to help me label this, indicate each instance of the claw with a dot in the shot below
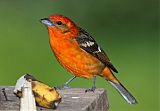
(90, 89)
(65, 86)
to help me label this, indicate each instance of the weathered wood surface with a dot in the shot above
(72, 100)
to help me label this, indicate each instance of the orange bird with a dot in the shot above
(79, 54)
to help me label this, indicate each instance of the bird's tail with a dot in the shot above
(124, 92)
(118, 86)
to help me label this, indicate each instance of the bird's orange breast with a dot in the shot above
(73, 58)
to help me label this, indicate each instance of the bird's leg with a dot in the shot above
(93, 87)
(65, 85)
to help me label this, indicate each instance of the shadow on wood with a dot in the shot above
(72, 100)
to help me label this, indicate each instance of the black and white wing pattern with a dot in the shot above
(87, 43)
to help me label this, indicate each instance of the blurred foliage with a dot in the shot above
(126, 29)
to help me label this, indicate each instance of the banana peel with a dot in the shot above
(45, 96)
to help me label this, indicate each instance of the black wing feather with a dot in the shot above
(87, 43)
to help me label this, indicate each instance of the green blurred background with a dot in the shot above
(126, 29)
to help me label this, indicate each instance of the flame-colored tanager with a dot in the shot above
(79, 54)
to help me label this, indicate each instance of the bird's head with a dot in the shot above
(60, 25)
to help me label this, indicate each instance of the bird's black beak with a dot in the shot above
(46, 22)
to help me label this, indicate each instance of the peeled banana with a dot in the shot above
(45, 96)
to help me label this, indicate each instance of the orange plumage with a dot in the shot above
(79, 53)
(71, 57)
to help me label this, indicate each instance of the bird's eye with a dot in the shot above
(59, 23)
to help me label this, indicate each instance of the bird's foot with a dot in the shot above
(64, 86)
(90, 89)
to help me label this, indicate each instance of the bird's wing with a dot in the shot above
(87, 43)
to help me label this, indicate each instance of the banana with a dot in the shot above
(45, 96)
